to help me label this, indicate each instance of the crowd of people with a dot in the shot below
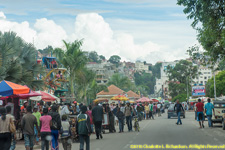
(43, 123)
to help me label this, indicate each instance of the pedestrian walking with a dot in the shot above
(97, 113)
(66, 134)
(37, 114)
(208, 110)
(89, 112)
(55, 127)
(159, 109)
(151, 111)
(84, 128)
(45, 125)
(128, 112)
(155, 109)
(5, 133)
(200, 114)
(146, 111)
(120, 116)
(28, 122)
(13, 135)
(65, 109)
(177, 108)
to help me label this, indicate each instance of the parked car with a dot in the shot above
(223, 121)
(172, 113)
(219, 107)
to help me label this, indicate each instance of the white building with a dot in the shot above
(204, 75)
(140, 66)
(162, 83)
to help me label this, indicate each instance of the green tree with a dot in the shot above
(18, 61)
(115, 59)
(181, 97)
(73, 58)
(182, 70)
(102, 57)
(220, 85)
(120, 81)
(84, 79)
(209, 20)
(177, 88)
(156, 70)
(146, 80)
(180, 77)
(93, 57)
(46, 51)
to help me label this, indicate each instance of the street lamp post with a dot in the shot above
(214, 84)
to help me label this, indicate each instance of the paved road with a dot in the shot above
(160, 131)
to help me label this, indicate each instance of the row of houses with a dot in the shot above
(114, 91)
(106, 69)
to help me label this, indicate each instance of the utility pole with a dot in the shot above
(214, 84)
(187, 90)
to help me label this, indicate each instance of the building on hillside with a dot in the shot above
(141, 66)
(132, 95)
(103, 71)
(112, 91)
(161, 87)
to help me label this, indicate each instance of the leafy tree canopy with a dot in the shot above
(181, 71)
(115, 59)
(146, 80)
(209, 20)
(181, 97)
(220, 85)
(121, 81)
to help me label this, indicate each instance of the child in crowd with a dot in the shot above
(66, 134)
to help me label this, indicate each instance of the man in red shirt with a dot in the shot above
(200, 114)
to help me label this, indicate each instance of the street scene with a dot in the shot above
(112, 74)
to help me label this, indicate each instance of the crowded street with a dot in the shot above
(160, 131)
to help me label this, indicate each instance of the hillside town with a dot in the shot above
(112, 74)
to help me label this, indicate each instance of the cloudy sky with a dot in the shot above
(151, 30)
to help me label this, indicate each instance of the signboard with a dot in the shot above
(198, 90)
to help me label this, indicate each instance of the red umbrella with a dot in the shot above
(31, 94)
(143, 99)
(47, 97)
(155, 100)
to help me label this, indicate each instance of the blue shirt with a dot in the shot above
(209, 107)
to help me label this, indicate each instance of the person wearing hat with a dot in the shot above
(37, 114)
(77, 107)
(84, 128)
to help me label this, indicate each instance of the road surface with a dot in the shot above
(159, 132)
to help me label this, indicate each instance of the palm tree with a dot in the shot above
(18, 62)
(120, 81)
(84, 81)
(73, 58)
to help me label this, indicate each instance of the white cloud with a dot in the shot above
(45, 32)
(2, 15)
(49, 33)
(105, 38)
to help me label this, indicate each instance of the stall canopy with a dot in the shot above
(28, 95)
(47, 97)
(144, 99)
(8, 88)
(120, 98)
